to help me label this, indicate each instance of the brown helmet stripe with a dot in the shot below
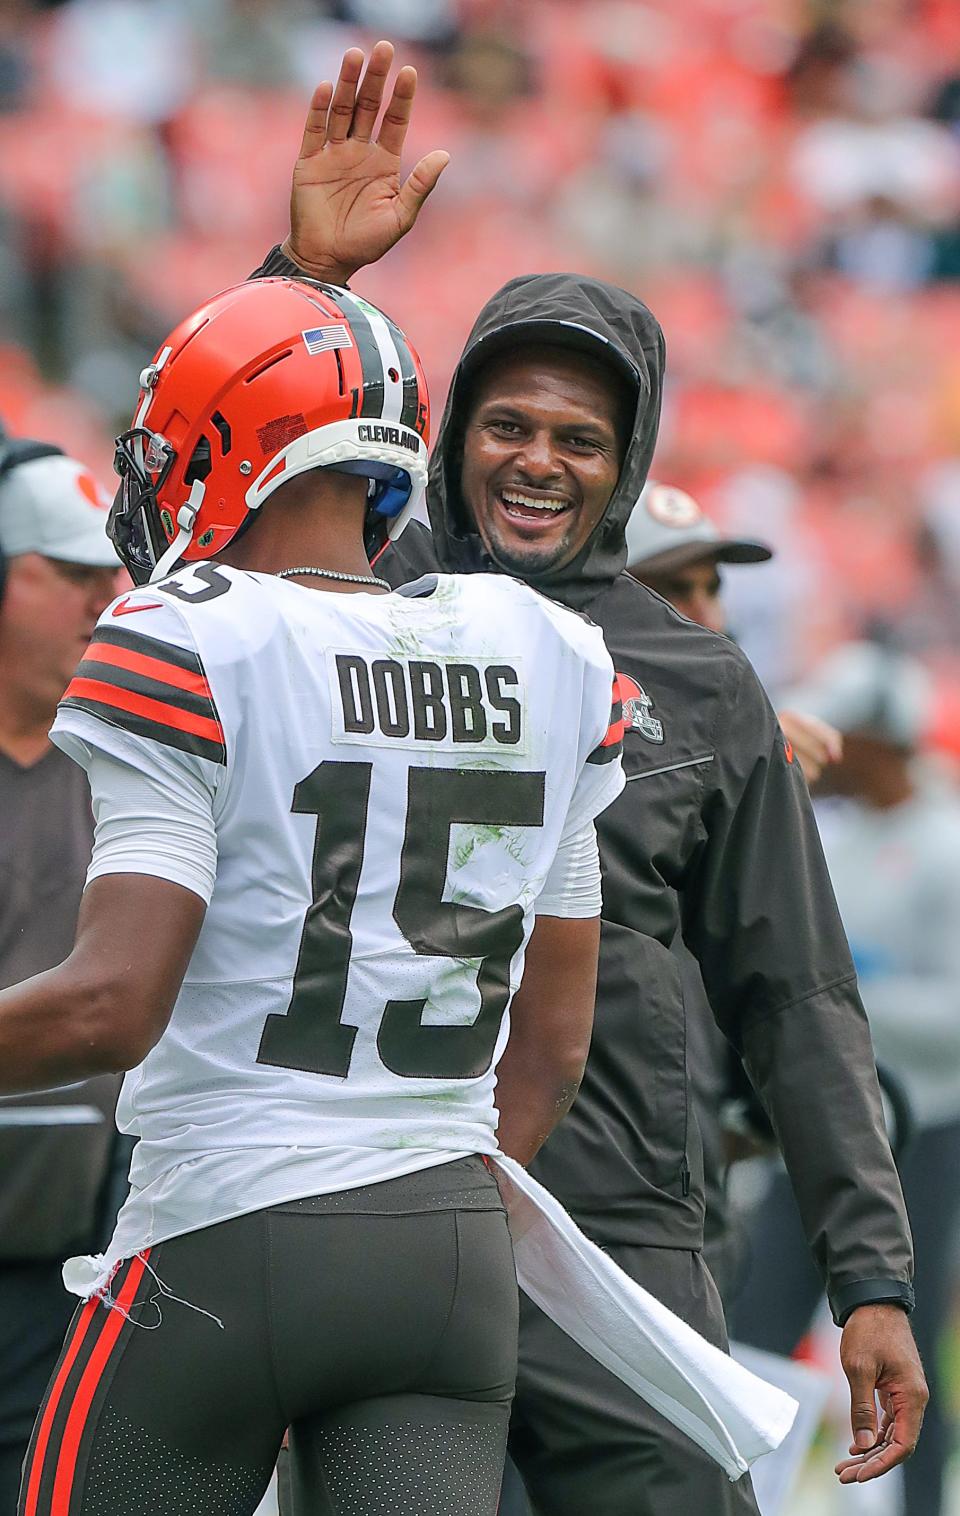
(408, 373)
(372, 390)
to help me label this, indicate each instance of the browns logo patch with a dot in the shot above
(672, 507)
(638, 709)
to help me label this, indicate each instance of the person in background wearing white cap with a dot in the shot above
(58, 572)
(891, 835)
(674, 549)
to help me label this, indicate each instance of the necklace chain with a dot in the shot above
(335, 574)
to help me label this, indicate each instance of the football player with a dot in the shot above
(332, 822)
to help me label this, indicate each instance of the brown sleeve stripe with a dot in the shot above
(148, 717)
(151, 689)
(149, 664)
(165, 687)
(144, 702)
(150, 647)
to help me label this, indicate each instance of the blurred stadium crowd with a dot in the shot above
(779, 180)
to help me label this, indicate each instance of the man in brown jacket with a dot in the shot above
(713, 834)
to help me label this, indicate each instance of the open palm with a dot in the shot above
(348, 205)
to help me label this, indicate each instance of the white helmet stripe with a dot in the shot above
(392, 377)
(357, 308)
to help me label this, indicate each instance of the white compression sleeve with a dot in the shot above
(572, 887)
(151, 824)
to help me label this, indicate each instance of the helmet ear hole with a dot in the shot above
(200, 462)
(222, 425)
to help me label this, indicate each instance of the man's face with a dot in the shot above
(47, 617)
(542, 450)
(695, 591)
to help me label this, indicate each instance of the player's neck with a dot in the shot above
(317, 553)
(322, 532)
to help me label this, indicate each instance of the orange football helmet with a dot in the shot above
(263, 382)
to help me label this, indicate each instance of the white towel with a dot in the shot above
(729, 1412)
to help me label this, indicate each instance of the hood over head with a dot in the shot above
(571, 311)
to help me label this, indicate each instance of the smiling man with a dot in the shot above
(544, 447)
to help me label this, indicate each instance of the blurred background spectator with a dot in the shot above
(62, 1164)
(892, 840)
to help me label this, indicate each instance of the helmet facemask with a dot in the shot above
(143, 460)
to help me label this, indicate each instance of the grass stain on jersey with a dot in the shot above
(439, 616)
(405, 643)
(480, 836)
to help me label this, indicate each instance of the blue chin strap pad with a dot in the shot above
(391, 495)
(389, 487)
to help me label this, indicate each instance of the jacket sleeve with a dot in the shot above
(277, 265)
(761, 918)
(409, 556)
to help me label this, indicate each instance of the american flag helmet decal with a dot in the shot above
(325, 339)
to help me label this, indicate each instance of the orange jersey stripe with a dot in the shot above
(616, 728)
(53, 1402)
(73, 1431)
(615, 733)
(154, 668)
(145, 705)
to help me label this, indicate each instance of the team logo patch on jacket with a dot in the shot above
(638, 710)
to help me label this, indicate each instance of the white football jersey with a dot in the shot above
(389, 777)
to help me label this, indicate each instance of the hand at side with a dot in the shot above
(880, 1359)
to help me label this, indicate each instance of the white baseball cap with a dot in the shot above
(56, 507)
(667, 530)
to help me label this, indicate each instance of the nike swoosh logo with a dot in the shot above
(123, 609)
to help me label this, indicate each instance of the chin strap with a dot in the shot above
(186, 516)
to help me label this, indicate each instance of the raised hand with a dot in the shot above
(347, 205)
